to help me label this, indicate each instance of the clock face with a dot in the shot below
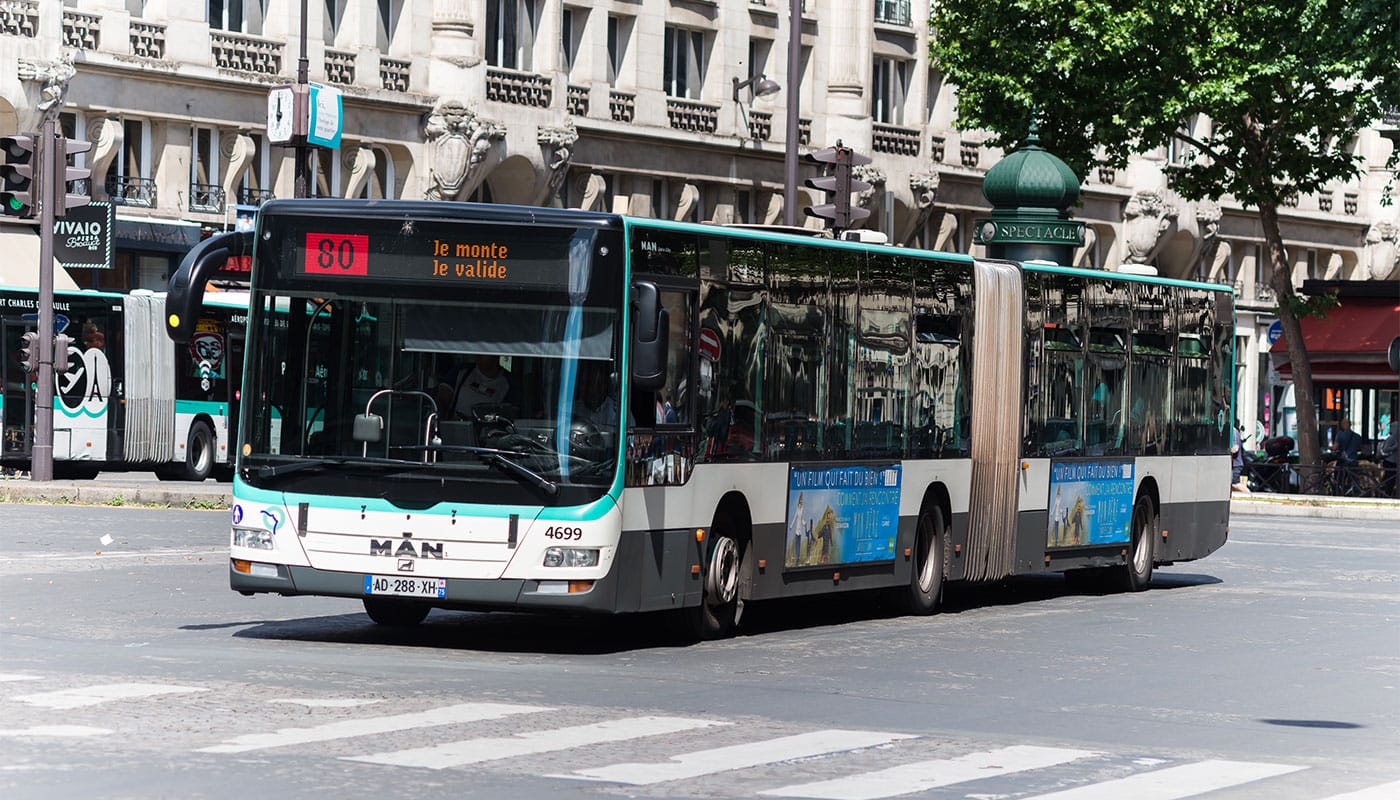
(279, 115)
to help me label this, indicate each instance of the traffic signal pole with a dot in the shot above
(49, 187)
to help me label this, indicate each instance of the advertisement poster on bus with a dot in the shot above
(1091, 502)
(841, 515)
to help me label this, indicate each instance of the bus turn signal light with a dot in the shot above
(575, 587)
(239, 565)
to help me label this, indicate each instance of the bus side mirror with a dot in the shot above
(649, 338)
(368, 428)
(185, 294)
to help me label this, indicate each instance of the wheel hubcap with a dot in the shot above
(926, 565)
(722, 582)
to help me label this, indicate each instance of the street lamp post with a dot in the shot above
(794, 84)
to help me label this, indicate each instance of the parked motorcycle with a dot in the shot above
(1273, 473)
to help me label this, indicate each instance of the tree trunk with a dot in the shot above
(1281, 281)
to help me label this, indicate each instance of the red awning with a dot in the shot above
(1349, 345)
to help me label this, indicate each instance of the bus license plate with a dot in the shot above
(405, 587)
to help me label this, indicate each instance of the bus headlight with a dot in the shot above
(571, 557)
(256, 538)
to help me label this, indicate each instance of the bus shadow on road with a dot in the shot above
(521, 633)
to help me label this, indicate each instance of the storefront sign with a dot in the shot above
(82, 239)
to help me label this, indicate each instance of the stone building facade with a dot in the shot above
(623, 105)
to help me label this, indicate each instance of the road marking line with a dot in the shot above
(475, 751)
(57, 730)
(1385, 791)
(6, 677)
(924, 775)
(346, 729)
(739, 756)
(326, 702)
(92, 695)
(1187, 780)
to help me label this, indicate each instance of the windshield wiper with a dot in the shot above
(498, 458)
(277, 470)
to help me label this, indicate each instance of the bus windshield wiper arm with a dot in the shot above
(278, 470)
(498, 458)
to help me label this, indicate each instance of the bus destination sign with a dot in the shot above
(445, 255)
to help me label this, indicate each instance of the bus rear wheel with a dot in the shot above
(721, 608)
(199, 455)
(1137, 573)
(926, 583)
(396, 613)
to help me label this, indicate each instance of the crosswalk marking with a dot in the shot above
(6, 677)
(1187, 780)
(924, 775)
(1386, 791)
(92, 695)
(739, 756)
(474, 751)
(345, 729)
(60, 731)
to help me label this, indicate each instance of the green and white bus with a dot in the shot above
(466, 406)
(125, 398)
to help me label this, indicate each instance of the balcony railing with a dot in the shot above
(895, 140)
(19, 18)
(578, 100)
(689, 115)
(519, 88)
(254, 197)
(892, 12)
(147, 39)
(131, 191)
(622, 106)
(393, 74)
(1350, 202)
(81, 31)
(340, 67)
(970, 153)
(239, 52)
(206, 197)
(804, 132)
(760, 126)
(937, 147)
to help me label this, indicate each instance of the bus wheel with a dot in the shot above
(199, 453)
(1137, 573)
(926, 583)
(721, 608)
(396, 613)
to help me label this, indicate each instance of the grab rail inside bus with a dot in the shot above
(369, 428)
(186, 289)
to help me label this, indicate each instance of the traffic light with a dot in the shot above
(61, 343)
(28, 351)
(16, 193)
(71, 147)
(839, 212)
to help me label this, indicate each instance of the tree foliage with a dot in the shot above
(1286, 85)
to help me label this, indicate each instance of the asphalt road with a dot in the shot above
(128, 669)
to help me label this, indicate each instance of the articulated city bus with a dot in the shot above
(467, 406)
(125, 398)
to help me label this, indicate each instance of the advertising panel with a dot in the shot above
(842, 515)
(1091, 503)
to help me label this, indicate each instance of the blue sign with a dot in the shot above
(1091, 502)
(60, 322)
(325, 124)
(842, 515)
(1275, 331)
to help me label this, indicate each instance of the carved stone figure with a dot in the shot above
(1381, 258)
(1147, 217)
(560, 139)
(874, 176)
(459, 141)
(924, 185)
(54, 75)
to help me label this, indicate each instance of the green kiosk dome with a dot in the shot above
(1031, 191)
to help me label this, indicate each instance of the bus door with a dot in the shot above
(17, 399)
(233, 383)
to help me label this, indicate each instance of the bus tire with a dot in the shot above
(396, 613)
(926, 581)
(722, 605)
(1135, 575)
(199, 453)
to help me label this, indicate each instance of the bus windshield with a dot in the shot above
(423, 393)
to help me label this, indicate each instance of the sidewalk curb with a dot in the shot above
(1315, 507)
(219, 497)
